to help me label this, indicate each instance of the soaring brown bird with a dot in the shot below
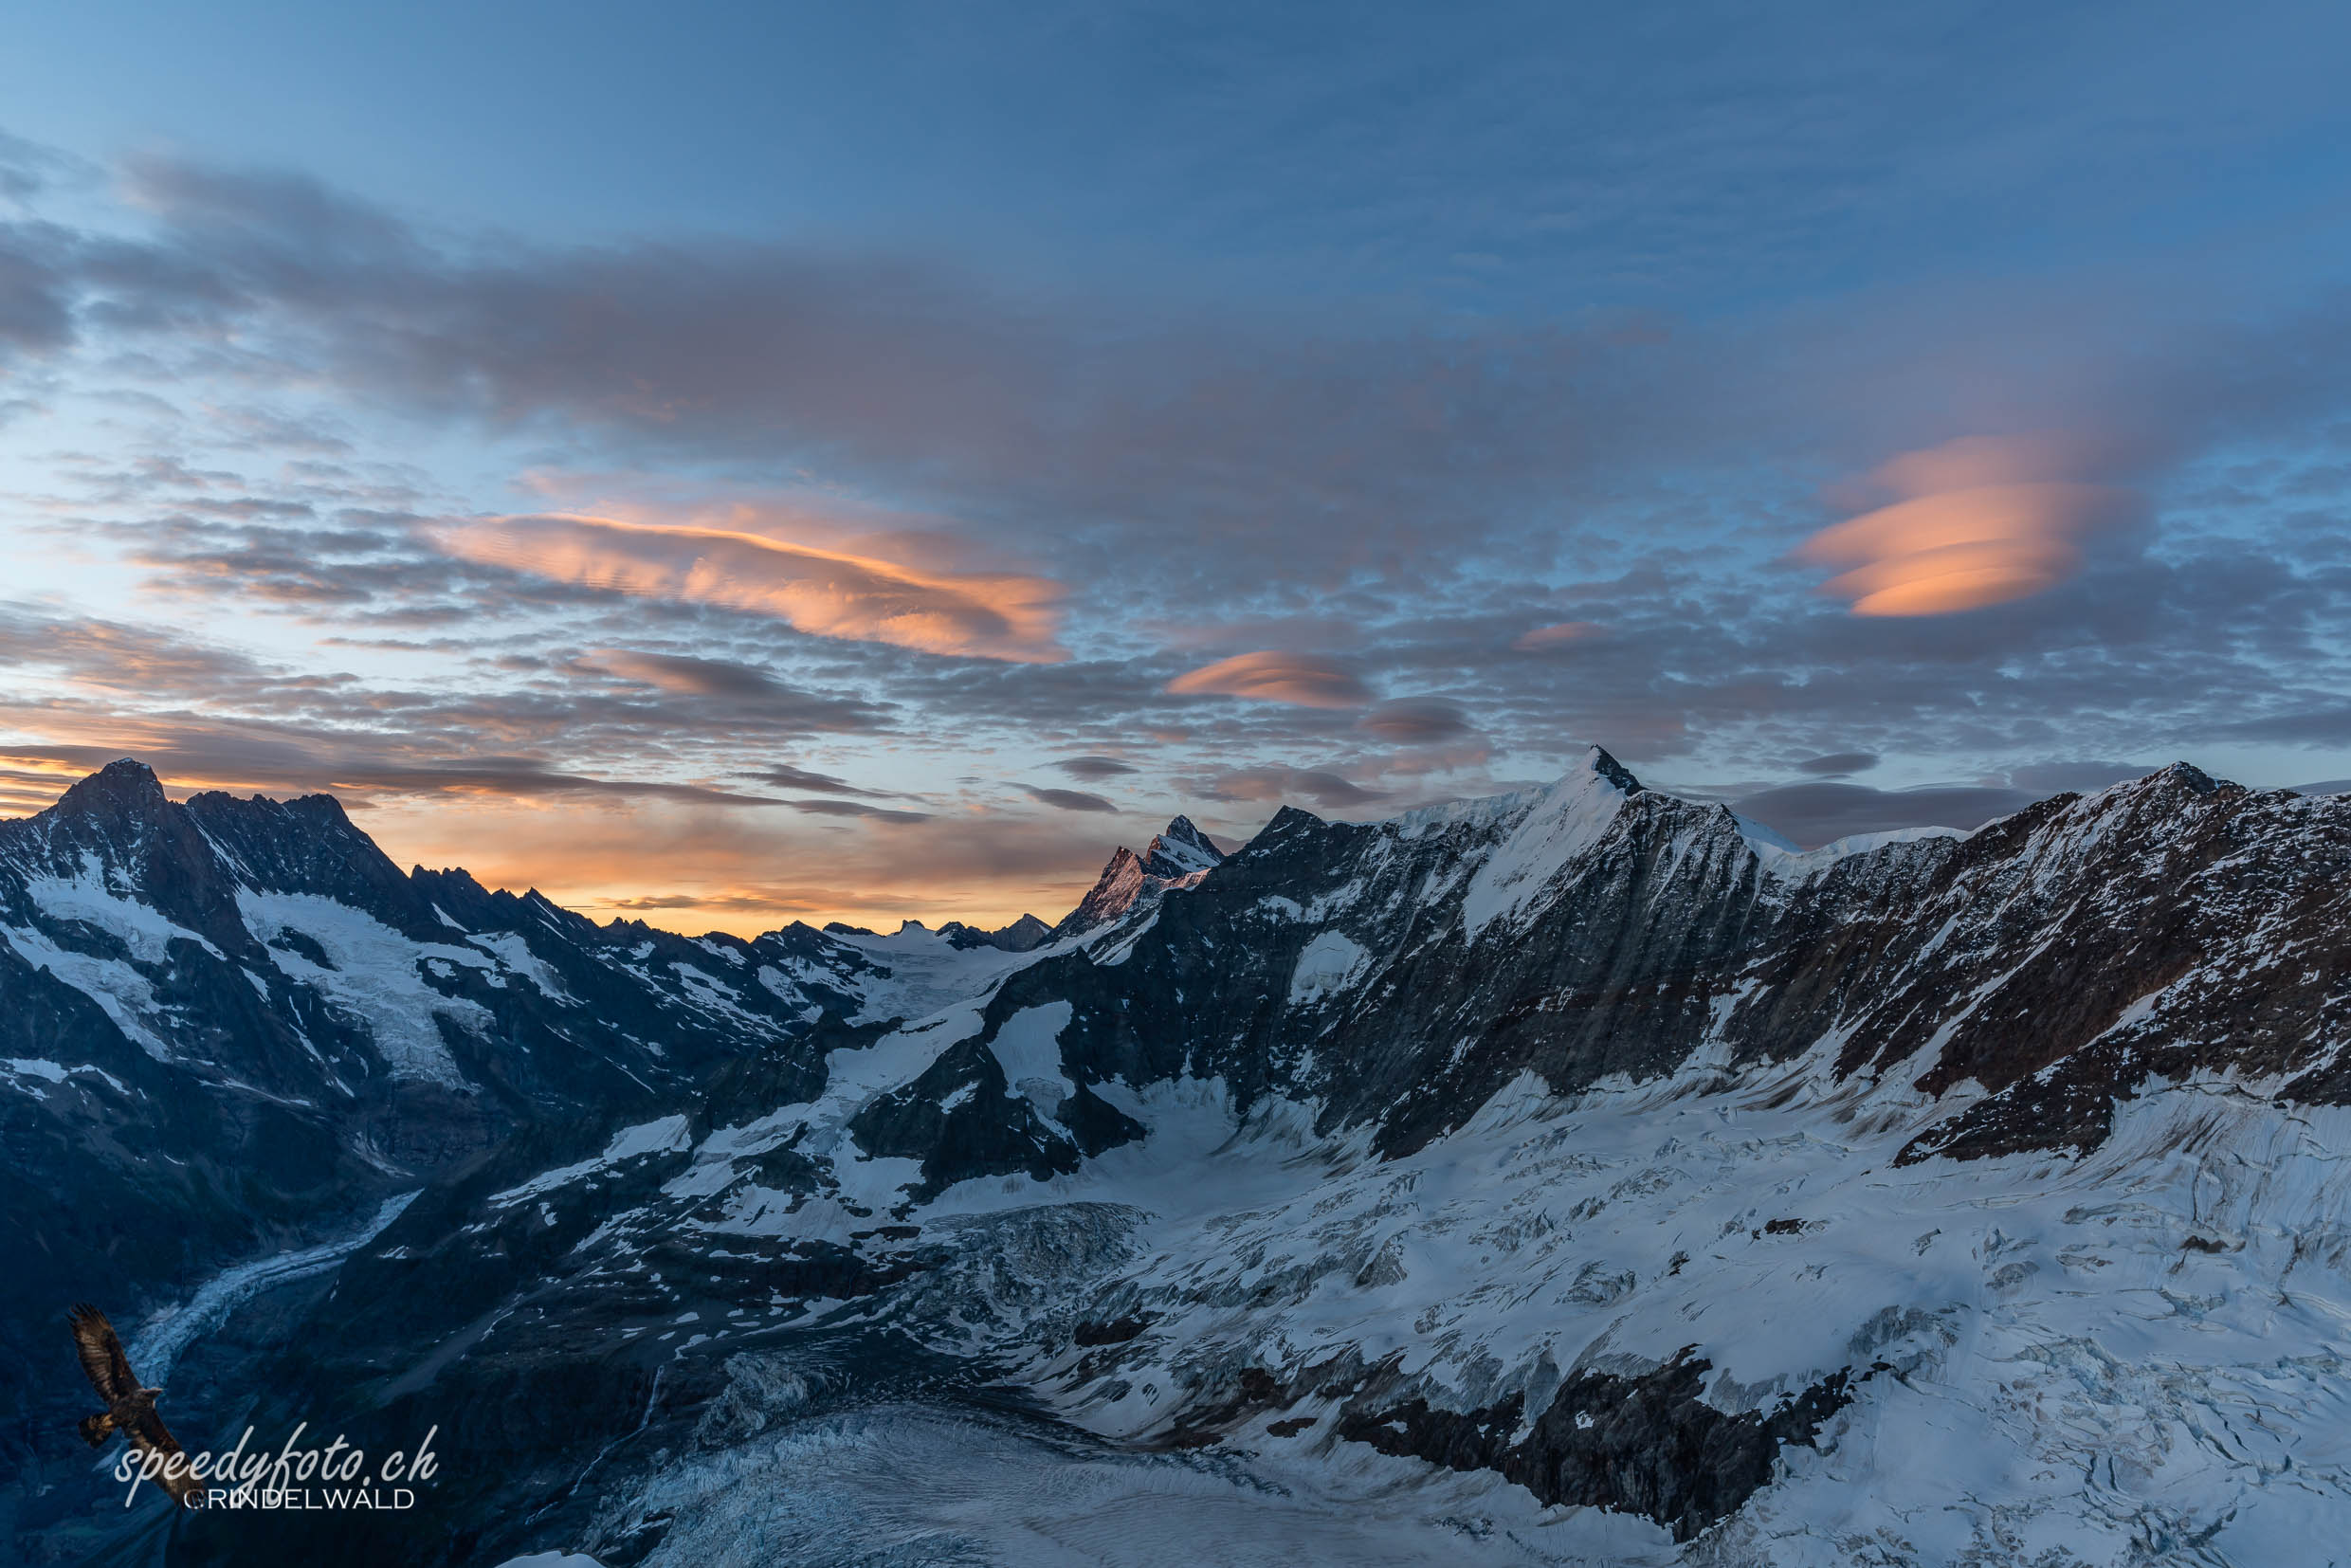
(130, 1406)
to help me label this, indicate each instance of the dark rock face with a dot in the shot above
(1118, 1331)
(191, 981)
(1179, 852)
(959, 1118)
(1617, 973)
(1646, 1445)
(1019, 936)
(240, 1028)
(2056, 958)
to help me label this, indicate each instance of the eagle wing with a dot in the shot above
(148, 1434)
(100, 1349)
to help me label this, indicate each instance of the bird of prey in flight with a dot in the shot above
(130, 1405)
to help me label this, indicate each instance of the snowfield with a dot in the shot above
(2136, 1357)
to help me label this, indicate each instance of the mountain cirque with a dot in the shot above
(1579, 1175)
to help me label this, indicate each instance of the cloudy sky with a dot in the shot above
(735, 464)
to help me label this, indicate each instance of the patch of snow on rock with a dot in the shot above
(1329, 965)
(1028, 1048)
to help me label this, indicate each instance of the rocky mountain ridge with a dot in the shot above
(233, 1025)
(1583, 1148)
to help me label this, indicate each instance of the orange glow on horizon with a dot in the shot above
(686, 868)
(698, 870)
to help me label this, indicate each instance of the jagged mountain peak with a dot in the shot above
(1595, 774)
(123, 789)
(1597, 760)
(2183, 777)
(1019, 936)
(1175, 855)
(115, 839)
(1183, 830)
(1180, 849)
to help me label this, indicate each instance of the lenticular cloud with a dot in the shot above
(829, 592)
(1977, 521)
(1269, 676)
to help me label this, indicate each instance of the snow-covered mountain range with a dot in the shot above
(1581, 1175)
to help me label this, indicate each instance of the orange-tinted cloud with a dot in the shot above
(1979, 522)
(1271, 677)
(830, 592)
(1557, 636)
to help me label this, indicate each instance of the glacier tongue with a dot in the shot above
(2142, 1346)
(898, 1484)
(2133, 1356)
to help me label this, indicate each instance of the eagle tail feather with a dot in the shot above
(96, 1429)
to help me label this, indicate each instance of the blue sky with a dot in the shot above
(738, 464)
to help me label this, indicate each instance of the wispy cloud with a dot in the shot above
(214, 759)
(826, 592)
(524, 777)
(1557, 635)
(857, 808)
(1834, 764)
(1417, 721)
(1067, 800)
(1269, 676)
(1094, 768)
(1816, 814)
(1322, 786)
(117, 655)
(686, 674)
(783, 776)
